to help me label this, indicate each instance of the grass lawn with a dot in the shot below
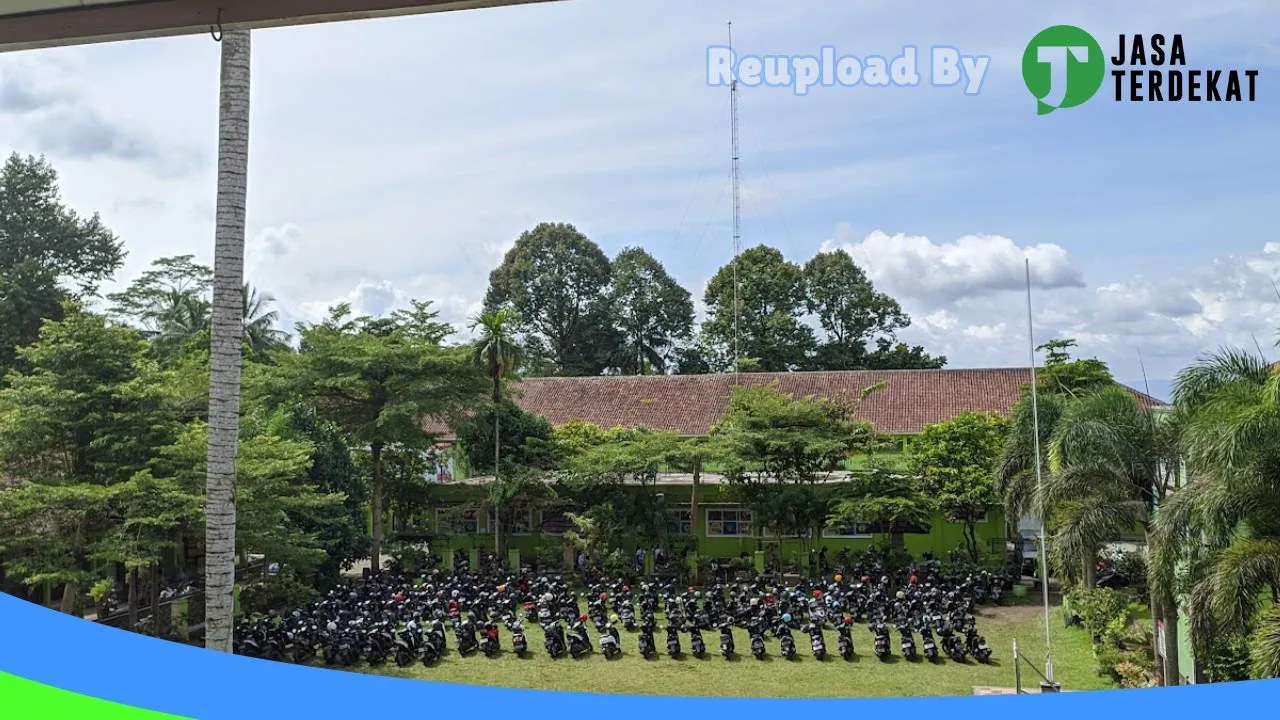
(864, 676)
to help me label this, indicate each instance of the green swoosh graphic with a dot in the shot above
(43, 701)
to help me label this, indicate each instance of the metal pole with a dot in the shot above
(1044, 538)
(1017, 668)
(736, 157)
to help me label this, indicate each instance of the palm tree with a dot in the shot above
(187, 316)
(497, 354)
(1217, 540)
(226, 337)
(261, 335)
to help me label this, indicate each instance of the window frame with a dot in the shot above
(451, 526)
(742, 516)
(682, 517)
(830, 533)
(528, 524)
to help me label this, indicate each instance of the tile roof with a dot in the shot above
(690, 404)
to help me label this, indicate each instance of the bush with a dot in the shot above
(98, 594)
(1132, 675)
(1101, 609)
(410, 559)
(278, 594)
(1228, 659)
(1133, 566)
(549, 558)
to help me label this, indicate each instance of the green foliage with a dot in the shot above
(339, 529)
(550, 558)
(652, 310)
(172, 301)
(379, 380)
(1104, 612)
(576, 437)
(1063, 376)
(955, 461)
(274, 503)
(1264, 648)
(274, 595)
(44, 248)
(409, 558)
(859, 322)
(771, 305)
(768, 436)
(1228, 658)
(558, 282)
(888, 499)
(525, 439)
(75, 430)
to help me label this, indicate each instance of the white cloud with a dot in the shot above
(912, 266)
(1230, 301)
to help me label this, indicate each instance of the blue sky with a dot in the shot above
(399, 158)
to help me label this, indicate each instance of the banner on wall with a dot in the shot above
(440, 469)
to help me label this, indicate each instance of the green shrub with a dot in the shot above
(409, 559)
(550, 558)
(1133, 565)
(278, 594)
(1228, 659)
(1101, 610)
(98, 595)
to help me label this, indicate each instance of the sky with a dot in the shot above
(400, 158)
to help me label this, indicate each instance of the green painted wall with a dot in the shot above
(942, 538)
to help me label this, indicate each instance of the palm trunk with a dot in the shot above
(375, 505)
(227, 336)
(497, 458)
(1088, 569)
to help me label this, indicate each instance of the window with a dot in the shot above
(728, 523)
(517, 523)
(679, 522)
(855, 529)
(458, 521)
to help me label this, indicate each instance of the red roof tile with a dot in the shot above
(690, 404)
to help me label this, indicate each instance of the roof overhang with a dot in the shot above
(29, 24)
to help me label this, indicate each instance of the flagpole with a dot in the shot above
(1044, 538)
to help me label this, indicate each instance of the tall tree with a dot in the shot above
(380, 379)
(1217, 539)
(171, 303)
(87, 416)
(497, 355)
(889, 500)
(769, 441)
(955, 461)
(557, 281)
(850, 311)
(340, 528)
(889, 355)
(226, 338)
(48, 253)
(653, 312)
(771, 303)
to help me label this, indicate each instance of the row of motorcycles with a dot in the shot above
(390, 618)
